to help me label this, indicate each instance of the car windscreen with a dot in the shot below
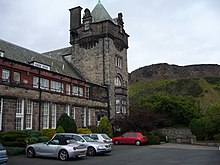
(105, 136)
(1, 147)
(88, 138)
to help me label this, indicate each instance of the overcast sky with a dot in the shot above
(181, 32)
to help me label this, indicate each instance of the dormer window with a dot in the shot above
(1, 53)
(86, 25)
(39, 65)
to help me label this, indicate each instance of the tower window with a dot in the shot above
(86, 25)
(118, 81)
(118, 61)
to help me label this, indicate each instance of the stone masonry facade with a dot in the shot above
(87, 80)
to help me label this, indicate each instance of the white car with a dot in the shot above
(101, 138)
(59, 147)
(93, 147)
(3, 155)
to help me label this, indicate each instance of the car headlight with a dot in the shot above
(101, 146)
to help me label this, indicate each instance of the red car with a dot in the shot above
(130, 138)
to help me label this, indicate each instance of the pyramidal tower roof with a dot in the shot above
(99, 13)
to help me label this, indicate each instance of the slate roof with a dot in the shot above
(99, 13)
(57, 63)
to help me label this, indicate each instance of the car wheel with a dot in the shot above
(63, 155)
(30, 152)
(138, 143)
(91, 151)
(116, 142)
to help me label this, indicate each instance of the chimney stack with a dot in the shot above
(75, 17)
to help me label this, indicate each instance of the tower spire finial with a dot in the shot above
(99, 1)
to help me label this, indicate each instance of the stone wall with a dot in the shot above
(179, 135)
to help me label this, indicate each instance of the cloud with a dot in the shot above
(172, 31)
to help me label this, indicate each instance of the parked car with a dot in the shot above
(101, 138)
(130, 138)
(59, 147)
(3, 155)
(93, 147)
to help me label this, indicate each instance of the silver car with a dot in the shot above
(100, 137)
(59, 147)
(93, 147)
(3, 155)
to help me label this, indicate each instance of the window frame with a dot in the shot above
(45, 115)
(29, 114)
(19, 121)
(53, 115)
(17, 77)
(5, 75)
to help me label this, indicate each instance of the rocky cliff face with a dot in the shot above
(166, 71)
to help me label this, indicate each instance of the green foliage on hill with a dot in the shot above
(204, 91)
(178, 109)
(192, 102)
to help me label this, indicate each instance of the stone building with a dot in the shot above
(86, 80)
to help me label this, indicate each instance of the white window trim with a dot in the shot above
(29, 113)
(67, 109)
(74, 113)
(89, 117)
(45, 125)
(20, 114)
(53, 116)
(117, 106)
(5, 75)
(84, 116)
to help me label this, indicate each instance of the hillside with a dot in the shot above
(200, 82)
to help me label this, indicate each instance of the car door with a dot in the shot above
(132, 138)
(50, 148)
(124, 138)
(95, 137)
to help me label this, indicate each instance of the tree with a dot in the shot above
(179, 110)
(144, 120)
(60, 129)
(67, 123)
(105, 126)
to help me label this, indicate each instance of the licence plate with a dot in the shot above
(82, 153)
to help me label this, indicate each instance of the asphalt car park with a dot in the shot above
(166, 154)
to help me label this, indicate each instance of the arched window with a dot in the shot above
(118, 81)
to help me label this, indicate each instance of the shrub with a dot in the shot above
(67, 123)
(105, 126)
(49, 132)
(153, 139)
(43, 139)
(32, 140)
(217, 137)
(84, 131)
(12, 137)
(14, 144)
(32, 133)
(201, 128)
(15, 151)
(93, 128)
(21, 138)
(60, 129)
